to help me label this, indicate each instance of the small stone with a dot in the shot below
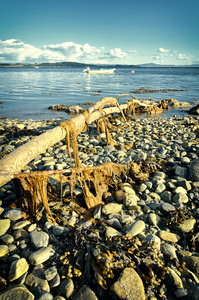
(3, 250)
(169, 208)
(39, 239)
(19, 292)
(18, 268)
(13, 214)
(136, 228)
(180, 198)
(50, 273)
(55, 281)
(85, 293)
(168, 250)
(187, 225)
(169, 236)
(110, 231)
(152, 238)
(181, 190)
(20, 225)
(154, 219)
(166, 196)
(130, 200)
(111, 208)
(173, 279)
(129, 286)
(182, 172)
(37, 283)
(142, 188)
(46, 296)
(119, 196)
(7, 238)
(20, 234)
(192, 263)
(67, 287)
(41, 255)
(4, 226)
(160, 188)
(60, 230)
(194, 170)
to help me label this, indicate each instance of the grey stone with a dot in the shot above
(85, 293)
(67, 287)
(19, 292)
(39, 239)
(18, 268)
(136, 228)
(194, 170)
(4, 226)
(50, 273)
(7, 238)
(111, 208)
(128, 286)
(13, 214)
(3, 250)
(41, 255)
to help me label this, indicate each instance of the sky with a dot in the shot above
(100, 31)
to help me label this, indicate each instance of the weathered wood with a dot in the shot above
(18, 159)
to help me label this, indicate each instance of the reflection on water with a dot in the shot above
(28, 92)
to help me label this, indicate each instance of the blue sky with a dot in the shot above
(102, 31)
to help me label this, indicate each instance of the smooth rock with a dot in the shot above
(4, 226)
(41, 255)
(17, 292)
(129, 286)
(67, 287)
(50, 273)
(37, 283)
(180, 198)
(119, 196)
(85, 293)
(39, 239)
(187, 225)
(13, 214)
(111, 208)
(154, 219)
(173, 279)
(194, 170)
(7, 238)
(110, 231)
(169, 236)
(136, 228)
(168, 250)
(18, 268)
(3, 250)
(20, 225)
(192, 263)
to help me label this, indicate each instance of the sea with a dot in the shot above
(27, 93)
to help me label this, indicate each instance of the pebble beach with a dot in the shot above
(153, 223)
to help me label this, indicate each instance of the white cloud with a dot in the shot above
(163, 50)
(117, 53)
(156, 57)
(183, 57)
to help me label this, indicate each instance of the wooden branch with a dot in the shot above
(15, 161)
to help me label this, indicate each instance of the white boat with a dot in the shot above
(101, 71)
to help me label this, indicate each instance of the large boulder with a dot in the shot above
(74, 109)
(194, 110)
(194, 170)
(59, 107)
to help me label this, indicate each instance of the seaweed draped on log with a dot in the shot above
(14, 162)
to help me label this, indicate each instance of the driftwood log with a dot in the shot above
(14, 162)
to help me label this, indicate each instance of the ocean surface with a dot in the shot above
(26, 93)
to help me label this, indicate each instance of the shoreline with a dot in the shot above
(154, 222)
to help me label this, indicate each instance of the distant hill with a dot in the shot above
(69, 64)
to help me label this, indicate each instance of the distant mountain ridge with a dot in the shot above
(76, 64)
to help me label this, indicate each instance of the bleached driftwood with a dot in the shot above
(14, 162)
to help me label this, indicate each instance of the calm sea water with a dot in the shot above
(28, 92)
